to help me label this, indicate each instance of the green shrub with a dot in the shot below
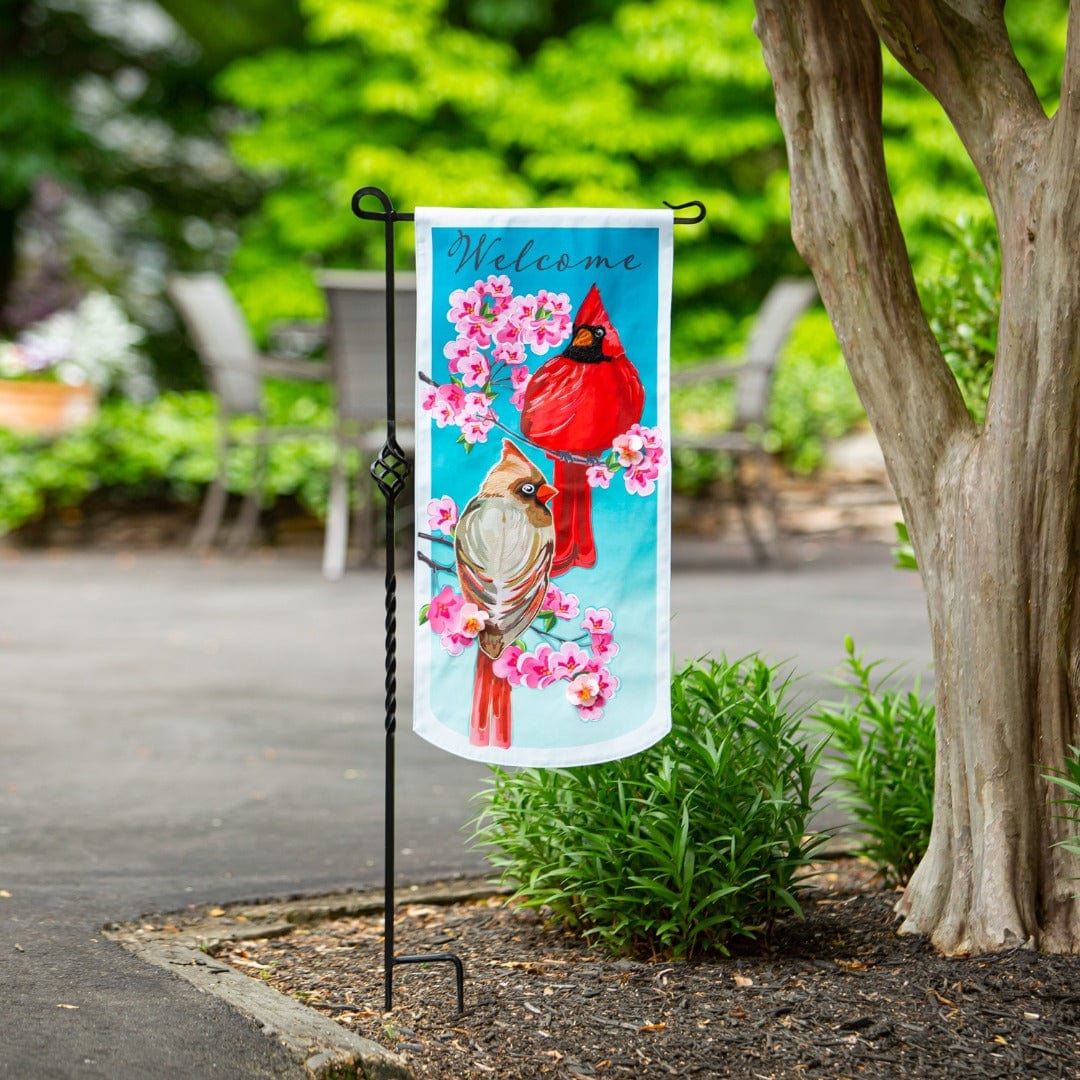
(813, 398)
(903, 551)
(677, 850)
(163, 449)
(812, 402)
(963, 303)
(1069, 782)
(882, 753)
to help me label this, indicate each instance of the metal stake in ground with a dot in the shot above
(390, 471)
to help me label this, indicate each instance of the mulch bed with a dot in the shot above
(837, 994)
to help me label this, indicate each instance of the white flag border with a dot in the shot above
(426, 725)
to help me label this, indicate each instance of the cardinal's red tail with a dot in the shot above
(490, 705)
(572, 508)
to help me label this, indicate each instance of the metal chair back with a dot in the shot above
(221, 337)
(356, 302)
(780, 310)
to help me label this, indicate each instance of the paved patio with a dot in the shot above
(178, 731)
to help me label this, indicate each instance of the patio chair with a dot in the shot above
(753, 375)
(235, 372)
(356, 305)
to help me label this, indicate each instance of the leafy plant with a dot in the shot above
(812, 401)
(882, 747)
(903, 552)
(694, 842)
(813, 398)
(963, 303)
(1069, 782)
(163, 449)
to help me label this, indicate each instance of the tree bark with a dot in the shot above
(9, 219)
(992, 512)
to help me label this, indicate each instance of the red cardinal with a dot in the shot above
(503, 545)
(576, 404)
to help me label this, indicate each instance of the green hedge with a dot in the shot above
(165, 449)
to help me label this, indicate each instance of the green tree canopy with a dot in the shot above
(111, 103)
(617, 104)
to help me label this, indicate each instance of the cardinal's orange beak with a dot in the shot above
(545, 493)
(583, 337)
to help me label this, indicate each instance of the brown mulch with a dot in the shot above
(837, 994)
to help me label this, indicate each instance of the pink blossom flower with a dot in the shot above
(475, 312)
(601, 687)
(457, 351)
(519, 380)
(609, 683)
(427, 402)
(499, 289)
(545, 320)
(476, 417)
(509, 328)
(650, 436)
(509, 352)
(475, 431)
(561, 605)
(474, 369)
(604, 647)
(477, 406)
(443, 609)
(506, 664)
(584, 690)
(442, 515)
(598, 620)
(590, 712)
(535, 667)
(445, 403)
(471, 619)
(455, 643)
(641, 479)
(628, 450)
(569, 661)
(598, 476)
(652, 440)
(478, 331)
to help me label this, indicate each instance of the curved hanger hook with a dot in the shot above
(388, 212)
(697, 204)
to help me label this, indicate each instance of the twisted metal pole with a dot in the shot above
(390, 470)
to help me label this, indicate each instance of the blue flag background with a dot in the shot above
(586, 675)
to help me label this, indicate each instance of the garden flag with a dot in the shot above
(542, 483)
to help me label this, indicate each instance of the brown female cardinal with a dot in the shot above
(503, 545)
(575, 405)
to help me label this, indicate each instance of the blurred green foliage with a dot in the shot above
(601, 103)
(113, 164)
(963, 303)
(635, 104)
(813, 400)
(460, 102)
(165, 449)
(605, 104)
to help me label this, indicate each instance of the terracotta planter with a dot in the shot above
(44, 408)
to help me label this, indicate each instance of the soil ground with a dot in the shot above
(836, 994)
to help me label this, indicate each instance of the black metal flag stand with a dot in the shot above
(390, 471)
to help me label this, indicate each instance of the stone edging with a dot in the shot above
(186, 943)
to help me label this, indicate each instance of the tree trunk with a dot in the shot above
(1005, 640)
(9, 218)
(993, 512)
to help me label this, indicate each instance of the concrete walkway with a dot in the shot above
(177, 731)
